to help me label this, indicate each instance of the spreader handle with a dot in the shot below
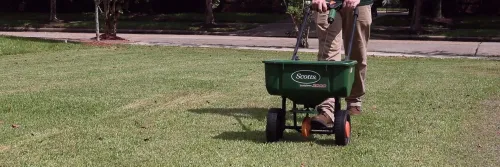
(301, 31)
(349, 51)
(333, 7)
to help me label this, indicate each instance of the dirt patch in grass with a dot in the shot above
(139, 103)
(4, 148)
(26, 89)
(169, 101)
(492, 71)
(485, 133)
(96, 43)
(493, 119)
(104, 43)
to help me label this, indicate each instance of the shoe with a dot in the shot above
(354, 110)
(322, 120)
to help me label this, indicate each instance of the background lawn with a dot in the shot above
(471, 26)
(76, 105)
(180, 21)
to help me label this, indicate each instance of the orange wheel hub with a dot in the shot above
(306, 127)
(347, 129)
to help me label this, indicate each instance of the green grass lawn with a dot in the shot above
(178, 21)
(381, 9)
(79, 105)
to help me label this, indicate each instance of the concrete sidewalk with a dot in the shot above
(442, 49)
(279, 29)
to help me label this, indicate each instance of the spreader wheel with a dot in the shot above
(306, 127)
(342, 126)
(275, 124)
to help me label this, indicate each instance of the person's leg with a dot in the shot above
(330, 45)
(329, 37)
(359, 49)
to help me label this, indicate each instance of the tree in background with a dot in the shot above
(390, 2)
(297, 9)
(438, 9)
(96, 5)
(209, 13)
(53, 5)
(416, 25)
(112, 11)
(415, 13)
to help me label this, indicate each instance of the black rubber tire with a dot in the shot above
(342, 137)
(282, 120)
(275, 124)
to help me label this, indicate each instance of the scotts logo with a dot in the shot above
(305, 77)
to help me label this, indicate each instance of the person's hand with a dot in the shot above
(350, 4)
(320, 5)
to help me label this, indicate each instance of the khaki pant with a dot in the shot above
(330, 41)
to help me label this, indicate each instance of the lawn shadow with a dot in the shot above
(256, 136)
(31, 39)
(289, 136)
(439, 52)
(238, 113)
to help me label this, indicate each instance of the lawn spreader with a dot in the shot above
(307, 84)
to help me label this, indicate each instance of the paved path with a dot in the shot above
(442, 49)
(267, 37)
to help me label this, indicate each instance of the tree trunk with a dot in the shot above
(53, 4)
(297, 19)
(112, 11)
(109, 27)
(209, 14)
(21, 6)
(416, 25)
(296, 25)
(219, 8)
(97, 2)
(105, 4)
(438, 9)
(411, 7)
(305, 35)
(304, 43)
(116, 15)
(276, 6)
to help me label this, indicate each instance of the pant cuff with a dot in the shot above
(357, 104)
